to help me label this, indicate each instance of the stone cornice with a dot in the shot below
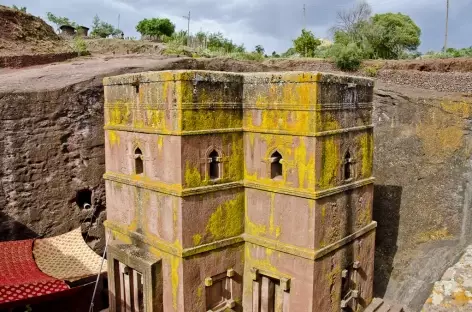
(177, 190)
(173, 249)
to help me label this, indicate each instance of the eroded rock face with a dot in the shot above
(422, 192)
(51, 163)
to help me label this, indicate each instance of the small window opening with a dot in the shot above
(83, 199)
(214, 165)
(276, 165)
(347, 166)
(138, 161)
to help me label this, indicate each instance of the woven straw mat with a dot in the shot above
(67, 257)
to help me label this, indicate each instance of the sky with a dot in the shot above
(270, 23)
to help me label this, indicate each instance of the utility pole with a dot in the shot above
(188, 28)
(304, 23)
(118, 21)
(447, 26)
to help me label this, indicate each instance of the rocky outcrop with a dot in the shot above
(52, 162)
(453, 293)
(422, 192)
(18, 61)
(22, 33)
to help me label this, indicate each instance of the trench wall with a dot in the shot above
(51, 162)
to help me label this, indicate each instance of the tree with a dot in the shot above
(392, 34)
(156, 27)
(259, 49)
(22, 9)
(290, 52)
(387, 36)
(275, 54)
(306, 44)
(349, 20)
(60, 21)
(202, 39)
(102, 29)
(217, 42)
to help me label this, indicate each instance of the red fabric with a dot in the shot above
(20, 277)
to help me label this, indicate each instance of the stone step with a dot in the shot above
(379, 305)
(375, 304)
(397, 308)
(384, 308)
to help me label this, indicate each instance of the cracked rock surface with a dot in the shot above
(454, 291)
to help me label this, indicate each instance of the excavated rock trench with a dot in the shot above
(52, 162)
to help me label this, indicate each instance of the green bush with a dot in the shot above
(248, 56)
(371, 71)
(450, 53)
(347, 57)
(80, 46)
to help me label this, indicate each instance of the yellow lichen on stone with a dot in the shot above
(233, 168)
(298, 160)
(155, 119)
(440, 142)
(227, 220)
(155, 183)
(122, 237)
(460, 297)
(250, 227)
(197, 239)
(326, 121)
(113, 137)
(119, 113)
(365, 215)
(261, 263)
(251, 139)
(296, 122)
(305, 166)
(367, 151)
(175, 263)
(204, 119)
(461, 109)
(160, 142)
(192, 176)
(329, 163)
(441, 135)
(332, 276)
(434, 235)
(200, 293)
(307, 94)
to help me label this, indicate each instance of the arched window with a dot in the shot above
(138, 161)
(347, 166)
(276, 165)
(214, 168)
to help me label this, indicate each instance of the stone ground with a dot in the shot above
(454, 291)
